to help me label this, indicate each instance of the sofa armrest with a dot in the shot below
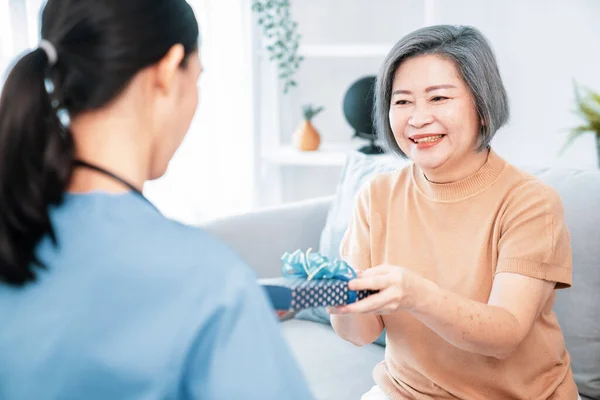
(261, 237)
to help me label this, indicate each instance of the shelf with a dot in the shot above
(328, 154)
(345, 50)
(340, 50)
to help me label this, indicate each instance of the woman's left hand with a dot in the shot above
(398, 289)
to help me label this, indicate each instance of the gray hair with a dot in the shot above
(475, 61)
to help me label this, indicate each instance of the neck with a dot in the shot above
(114, 144)
(457, 173)
(463, 188)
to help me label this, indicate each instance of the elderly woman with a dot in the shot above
(464, 249)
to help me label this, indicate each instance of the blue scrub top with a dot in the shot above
(135, 306)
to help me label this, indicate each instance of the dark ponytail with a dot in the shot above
(35, 166)
(100, 46)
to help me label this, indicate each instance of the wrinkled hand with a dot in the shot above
(398, 290)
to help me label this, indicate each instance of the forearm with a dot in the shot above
(468, 324)
(359, 329)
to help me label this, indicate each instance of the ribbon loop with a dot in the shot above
(310, 266)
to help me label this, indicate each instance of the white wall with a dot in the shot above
(541, 46)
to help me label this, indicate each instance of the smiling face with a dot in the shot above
(434, 118)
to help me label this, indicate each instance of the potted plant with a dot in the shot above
(306, 137)
(588, 107)
(281, 37)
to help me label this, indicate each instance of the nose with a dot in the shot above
(421, 116)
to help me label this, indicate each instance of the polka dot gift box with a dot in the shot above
(311, 280)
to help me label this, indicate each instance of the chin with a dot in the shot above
(431, 161)
(158, 172)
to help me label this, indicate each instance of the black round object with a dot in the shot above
(358, 110)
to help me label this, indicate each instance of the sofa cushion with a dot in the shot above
(334, 368)
(578, 308)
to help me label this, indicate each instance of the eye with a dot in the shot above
(439, 98)
(401, 102)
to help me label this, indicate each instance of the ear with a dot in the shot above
(167, 67)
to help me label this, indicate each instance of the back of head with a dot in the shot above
(92, 50)
(475, 61)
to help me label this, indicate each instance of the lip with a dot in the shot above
(424, 135)
(426, 144)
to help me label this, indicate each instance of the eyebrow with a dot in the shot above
(427, 90)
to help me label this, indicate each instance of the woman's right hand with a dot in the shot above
(358, 329)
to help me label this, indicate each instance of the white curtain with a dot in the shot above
(6, 36)
(212, 174)
(19, 29)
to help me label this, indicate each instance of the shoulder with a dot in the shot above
(186, 268)
(526, 189)
(140, 245)
(528, 198)
(382, 185)
(192, 250)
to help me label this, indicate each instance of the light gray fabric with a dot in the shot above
(334, 368)
(578, 308)
(358, 171)
(261, 237)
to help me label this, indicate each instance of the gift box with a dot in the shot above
(297, 294)
(311, 280)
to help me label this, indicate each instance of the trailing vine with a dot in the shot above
(281, 38)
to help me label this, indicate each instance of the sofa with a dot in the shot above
(338, 370)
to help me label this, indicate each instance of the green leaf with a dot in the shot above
(573, 134)
(589, 112)
(588, 107)
(309, 111)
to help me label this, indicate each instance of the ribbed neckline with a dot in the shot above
(464, 188)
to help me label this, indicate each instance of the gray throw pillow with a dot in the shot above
(358, 171)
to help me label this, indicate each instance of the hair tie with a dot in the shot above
(50, 51)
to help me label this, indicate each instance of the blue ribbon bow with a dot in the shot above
(309, 265)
